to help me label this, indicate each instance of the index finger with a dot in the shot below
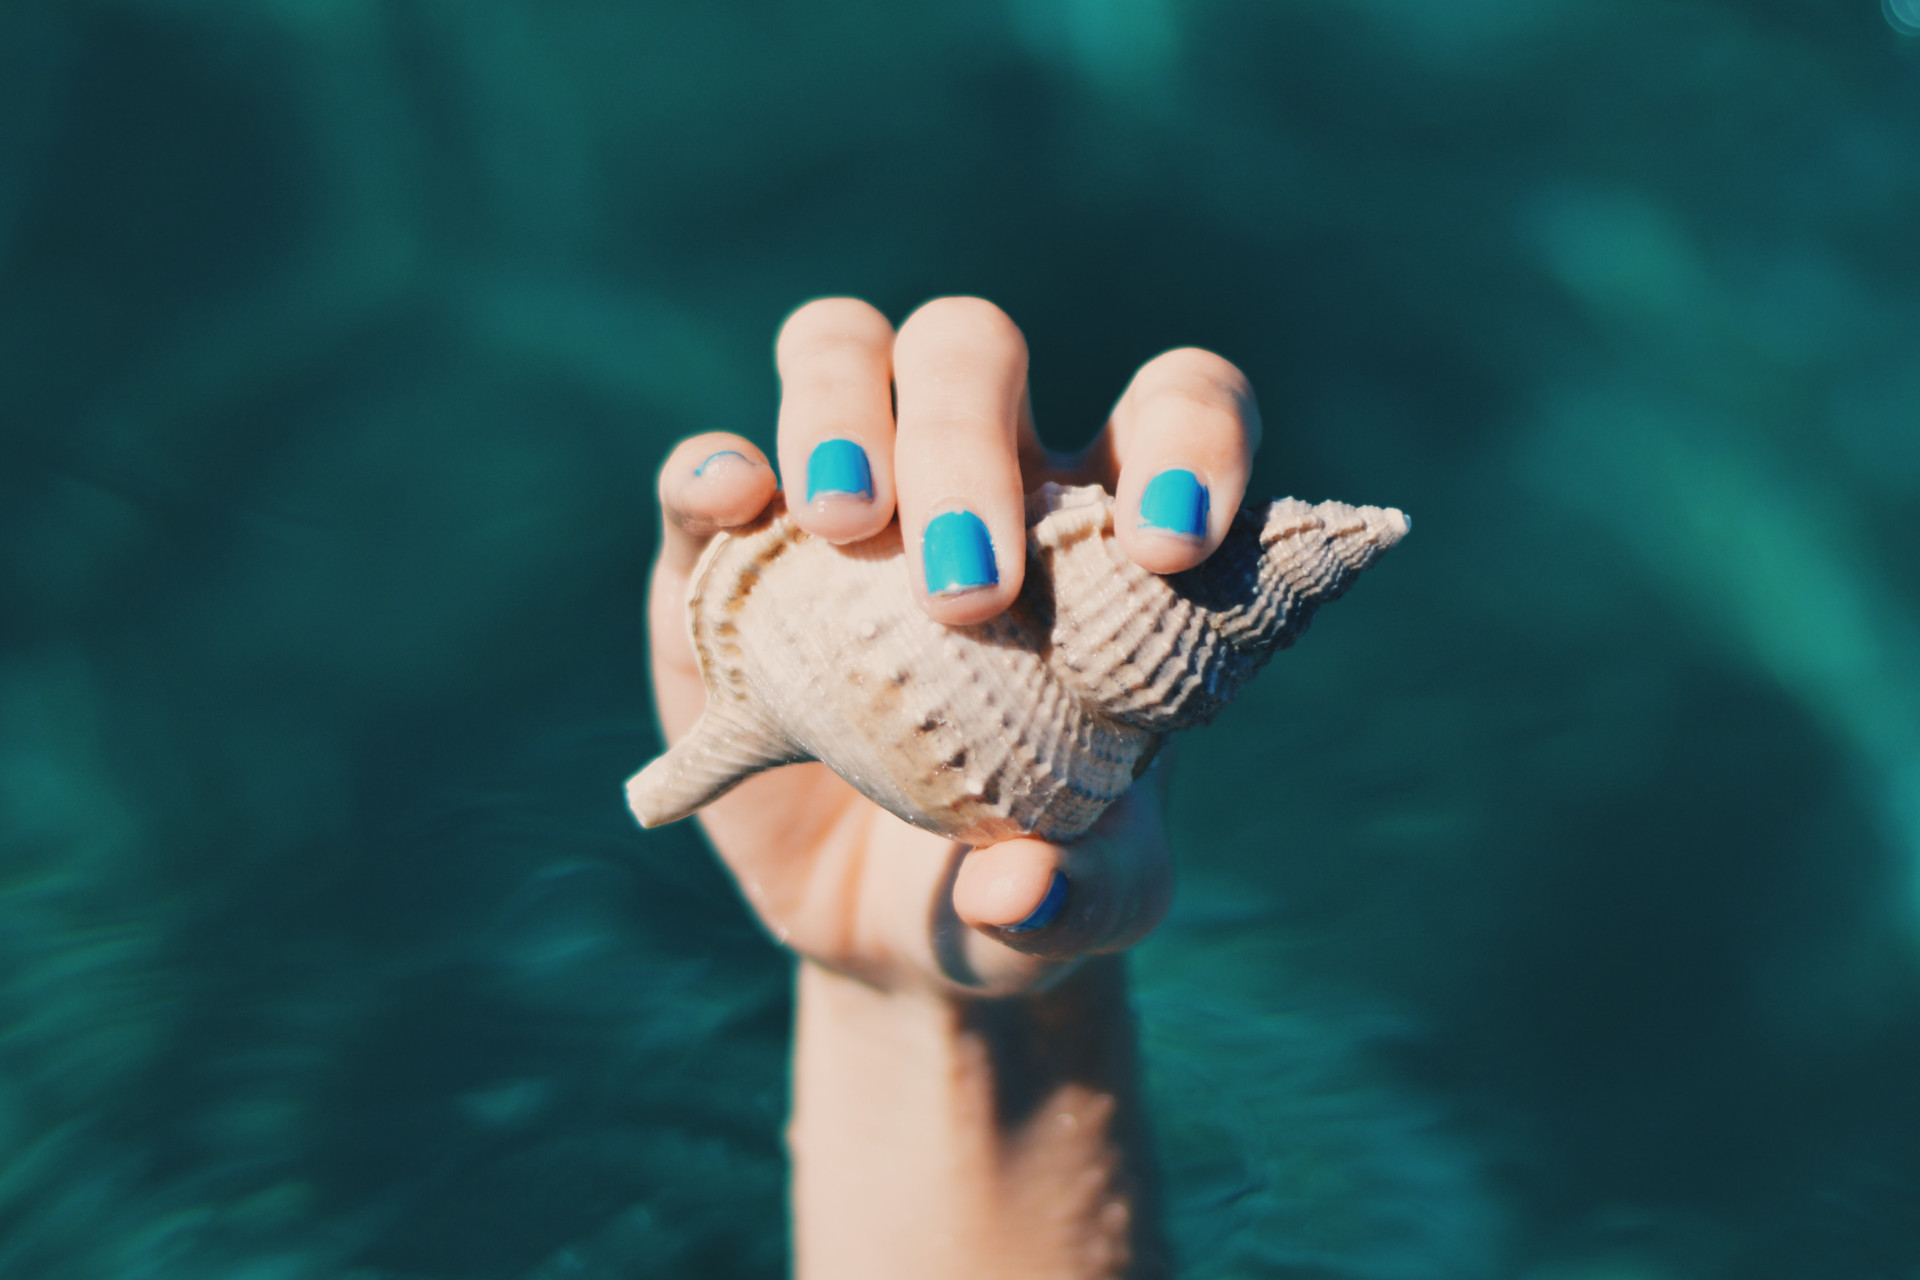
(835, 358)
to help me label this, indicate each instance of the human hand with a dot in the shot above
(831, 874)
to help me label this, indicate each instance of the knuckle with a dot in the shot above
(964, 320)
(681, 453)
(830, 323)
(825, 367)
(1194, 374)
(956, 424)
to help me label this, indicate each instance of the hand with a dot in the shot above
(832, 875)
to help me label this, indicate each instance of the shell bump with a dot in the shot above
(1031, 723)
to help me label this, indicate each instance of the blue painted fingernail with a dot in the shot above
(957, 554)
(1049, 909)
(1177, 502)
(838, 466)
(715, 457)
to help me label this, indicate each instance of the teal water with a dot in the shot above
(1549, 913)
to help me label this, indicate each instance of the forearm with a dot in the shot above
(943, 1138)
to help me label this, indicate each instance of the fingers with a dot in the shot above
(1104, 892)
(835, 357)
(960, 372)
(710, 482)
(1176, 453)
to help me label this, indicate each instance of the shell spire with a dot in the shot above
(722, 751)
(1031, 723)
(1168, 653)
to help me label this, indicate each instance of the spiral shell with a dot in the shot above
(1031, 723)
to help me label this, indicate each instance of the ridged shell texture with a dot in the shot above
(1033, 722)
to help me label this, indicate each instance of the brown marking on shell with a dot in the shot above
(1031, 723)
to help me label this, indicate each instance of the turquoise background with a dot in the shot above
(1550, 912)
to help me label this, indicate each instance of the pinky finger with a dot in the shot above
(710, 482)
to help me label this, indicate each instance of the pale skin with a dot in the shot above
(965, 1101)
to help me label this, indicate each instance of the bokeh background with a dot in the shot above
(1550, 912)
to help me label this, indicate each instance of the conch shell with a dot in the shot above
(1031, 723)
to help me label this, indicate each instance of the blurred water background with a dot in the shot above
(1549, 913)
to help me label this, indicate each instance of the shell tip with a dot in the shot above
(643, 795)
(722, 750)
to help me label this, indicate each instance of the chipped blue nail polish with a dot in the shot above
(957, 554)
(715, 457)
(1175, 501)
(1049, 909)
(838, 466)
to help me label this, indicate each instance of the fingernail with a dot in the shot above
(715, 457)
(1049, 909)
(957, 554)
(838, 466)
(1177, 502)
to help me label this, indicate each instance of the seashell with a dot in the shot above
(1031, 723)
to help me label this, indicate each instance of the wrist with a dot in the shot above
(936, 1134)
